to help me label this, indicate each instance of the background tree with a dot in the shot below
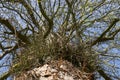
(89, 24)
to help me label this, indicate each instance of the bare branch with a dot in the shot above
(1, 46)
(8, 51)
(50, 21)
(30, 12)
(5, 75)
(11, 28)
(101, 38)
(104, 75)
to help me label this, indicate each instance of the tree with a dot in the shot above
(88, 24)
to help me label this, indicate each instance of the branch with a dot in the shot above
(115, 32)
(19, 13)
(5, 75)
(101, 38)
(104, 75)
(12, 29)
(28, 8)
(8, 51)
(100, 71)
(50, 21)
(30, 12)
(1, 46)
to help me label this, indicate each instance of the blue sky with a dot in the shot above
(95, 31)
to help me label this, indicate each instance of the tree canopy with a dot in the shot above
(92, 25)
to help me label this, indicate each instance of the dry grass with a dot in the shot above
(53, 48)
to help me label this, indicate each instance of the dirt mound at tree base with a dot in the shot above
(54, 70)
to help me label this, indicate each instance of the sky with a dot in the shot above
(93, 31)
